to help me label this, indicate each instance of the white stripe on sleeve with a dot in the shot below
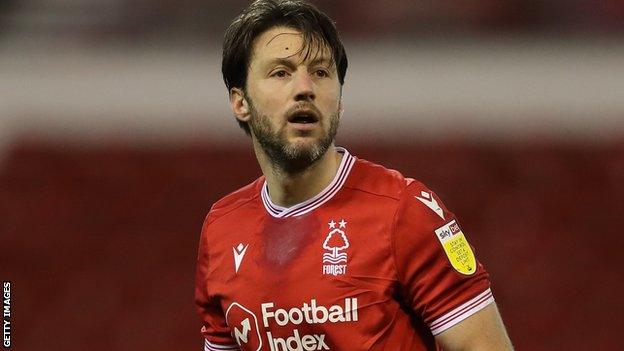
(462, 312)
(210, 346)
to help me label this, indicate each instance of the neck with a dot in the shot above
(288, 189)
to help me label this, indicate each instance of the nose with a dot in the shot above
(304, 86)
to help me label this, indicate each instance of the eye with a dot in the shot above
(321, 73)
(279, 73)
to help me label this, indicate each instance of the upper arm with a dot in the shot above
(482, 331)
(215, 330)
(445, 284)
(442, 280)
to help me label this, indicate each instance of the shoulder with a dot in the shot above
(235, 200)
(378, 180)
(414, 202)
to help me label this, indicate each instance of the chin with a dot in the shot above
(301, 146)
(304, 141)
(305, 148)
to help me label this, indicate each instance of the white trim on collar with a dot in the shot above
(325, 195)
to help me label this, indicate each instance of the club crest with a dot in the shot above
(336, 243)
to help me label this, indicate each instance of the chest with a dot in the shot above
(318, 275)
(321, 254)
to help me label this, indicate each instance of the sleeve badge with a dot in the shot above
(457, 248)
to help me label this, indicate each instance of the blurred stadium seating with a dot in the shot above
(102, 239)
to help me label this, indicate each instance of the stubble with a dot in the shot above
(286, 156)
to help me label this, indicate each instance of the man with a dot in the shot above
(326, 251)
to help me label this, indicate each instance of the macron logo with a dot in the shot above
(430, 202)
(239, 253)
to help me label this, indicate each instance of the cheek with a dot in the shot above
(330, 101)
(330, 89)
(269, 98)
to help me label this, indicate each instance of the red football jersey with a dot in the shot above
(373, 262)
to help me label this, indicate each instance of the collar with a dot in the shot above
(325, 195)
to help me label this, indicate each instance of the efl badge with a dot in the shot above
(336, 242)
(457, 248)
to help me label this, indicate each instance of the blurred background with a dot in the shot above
(116, 137)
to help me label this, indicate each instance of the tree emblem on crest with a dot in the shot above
(336, 241)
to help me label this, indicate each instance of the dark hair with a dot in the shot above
(316, 27)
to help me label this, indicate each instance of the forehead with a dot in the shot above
(284, 42)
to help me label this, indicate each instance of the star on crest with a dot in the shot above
(343, 223)
(332, 224)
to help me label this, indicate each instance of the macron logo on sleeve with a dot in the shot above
(429, 201)
(239, 253)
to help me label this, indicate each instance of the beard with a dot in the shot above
(290, 157)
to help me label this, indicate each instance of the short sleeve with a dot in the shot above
(215, 329)
(440, 275)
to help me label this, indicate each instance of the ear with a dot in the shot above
(239, 105)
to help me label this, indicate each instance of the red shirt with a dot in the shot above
(373, 262)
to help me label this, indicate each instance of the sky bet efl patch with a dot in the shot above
(456, 247)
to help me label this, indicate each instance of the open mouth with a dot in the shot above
(303, 117)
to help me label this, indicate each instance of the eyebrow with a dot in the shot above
(290, 63)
